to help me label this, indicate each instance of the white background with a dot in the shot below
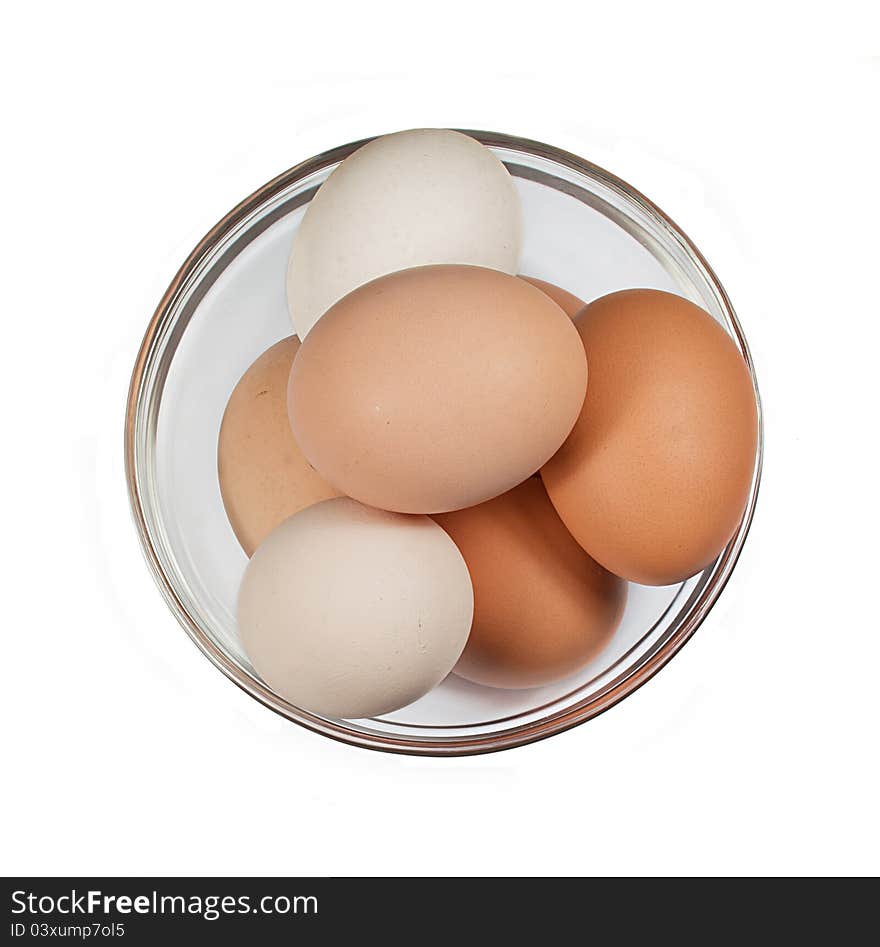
(130, 129)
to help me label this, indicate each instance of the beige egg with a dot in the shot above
(427, 195)
(264, 477)
(436, 388)
(568, 302)
(349, 611)
(655, 476)
(542, 607)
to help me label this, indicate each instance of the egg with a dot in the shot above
(542, 607)
(348, 611)
(409, 199)
(655, 476)
(263, 475)
(436, 388)
(568, 302)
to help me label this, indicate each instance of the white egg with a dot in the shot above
(409, 199)
(349, 611)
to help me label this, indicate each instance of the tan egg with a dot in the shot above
(542, 607)
(655, 476)
(264, 477)
(568, 302)
(436, 388)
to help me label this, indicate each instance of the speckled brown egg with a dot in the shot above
(654, 478)
(542, 607)
(264, 477)
(567, 302)
(436, 388)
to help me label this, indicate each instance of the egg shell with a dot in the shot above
(567, 302)
(436, 388)
(263, 475)
(542, 607)
(348, 611)
(655, 476)
(409, 199)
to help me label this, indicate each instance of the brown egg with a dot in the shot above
(567, 302)
(655, 476)
(542, 607)
(437, 387)
(264, 477)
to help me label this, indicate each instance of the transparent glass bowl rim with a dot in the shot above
(136, 432)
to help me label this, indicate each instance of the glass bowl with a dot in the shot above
(586, 231)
